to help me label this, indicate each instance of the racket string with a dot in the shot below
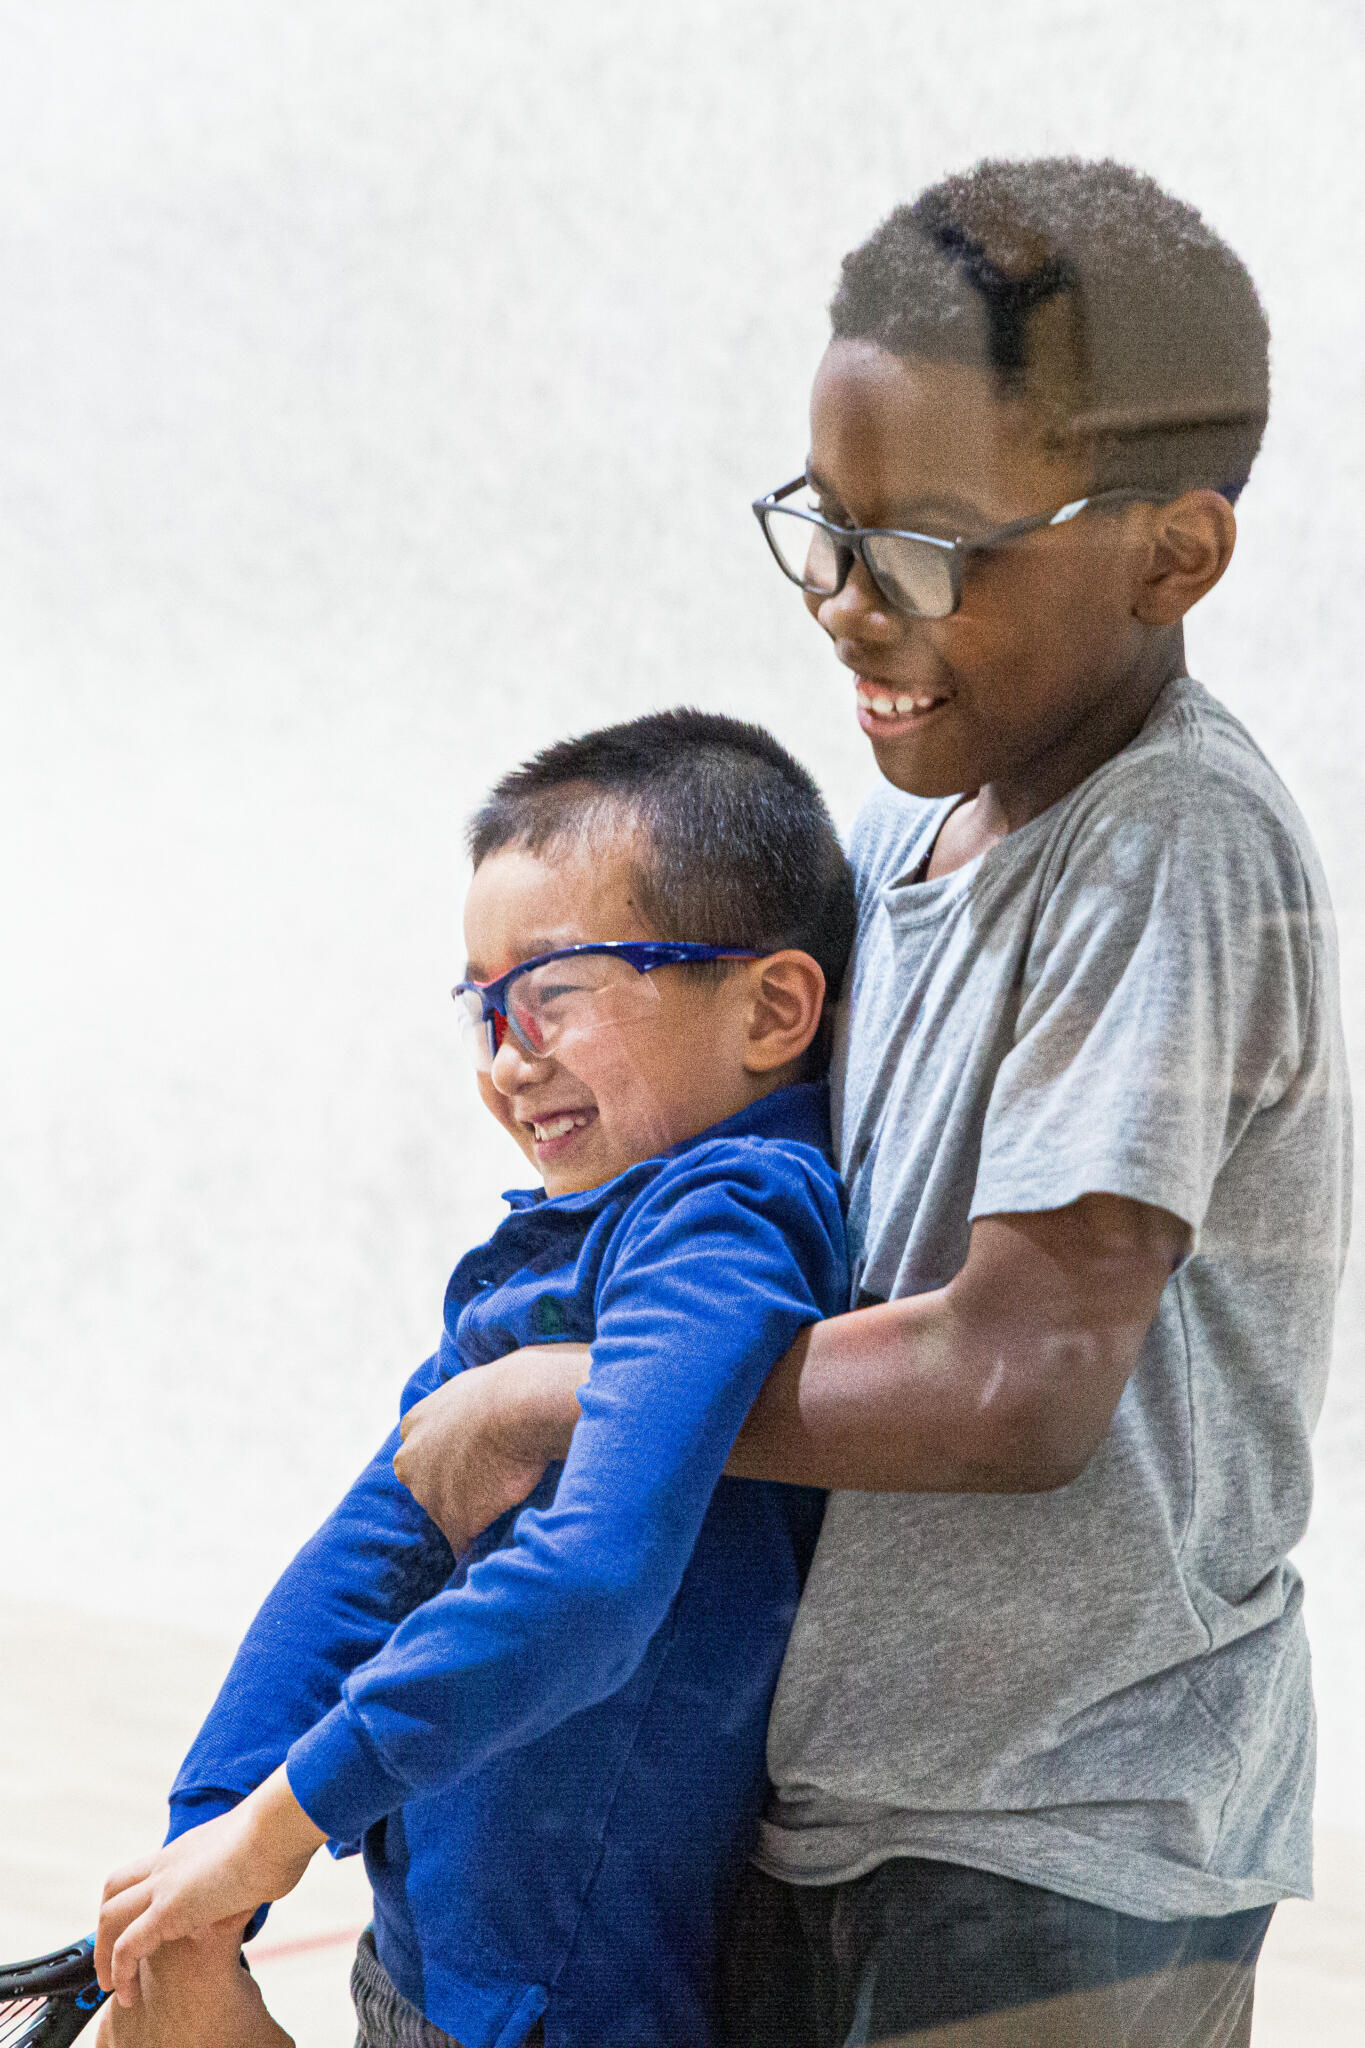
(18, 2017)
(36, 2022)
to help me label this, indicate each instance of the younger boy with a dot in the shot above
(553, 1748)
(1044, 1733)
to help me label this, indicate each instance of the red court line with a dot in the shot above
(276, 1951)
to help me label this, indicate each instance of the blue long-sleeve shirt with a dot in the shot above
(553, 1748)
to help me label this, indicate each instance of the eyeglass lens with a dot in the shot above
(912, 575)
(551, 1007)
(915, 578)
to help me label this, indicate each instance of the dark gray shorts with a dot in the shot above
(384, 2017)
(933, 1952)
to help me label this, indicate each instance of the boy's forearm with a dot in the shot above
(883, 1400)
(543, 1396)
(906, 1397)
(374, 1559)
(1004, 1381)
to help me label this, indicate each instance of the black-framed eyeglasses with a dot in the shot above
(556, 998)
(918, 573)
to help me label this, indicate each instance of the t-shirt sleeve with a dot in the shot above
(1164, 1001)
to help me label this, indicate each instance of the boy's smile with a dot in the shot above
(1050, 664)
(689, 1052)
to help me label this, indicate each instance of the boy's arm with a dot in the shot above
(559, 1619)
(237, 1837)
(1004, 1381)
(375, 1558)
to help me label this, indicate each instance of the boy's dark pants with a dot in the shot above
(384, 2017)
(965, 1959)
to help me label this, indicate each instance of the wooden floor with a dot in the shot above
(95, 1716)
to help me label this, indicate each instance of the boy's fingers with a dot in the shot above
(422, 1411)
(141, 1939)
(130, 1874)
(116, 1915)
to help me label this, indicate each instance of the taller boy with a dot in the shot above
(1044, 1730)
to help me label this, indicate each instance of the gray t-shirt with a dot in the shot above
(1103, 1690)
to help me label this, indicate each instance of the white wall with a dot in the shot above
(383, 385)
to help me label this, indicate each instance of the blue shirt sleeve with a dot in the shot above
(724, 1260)
(375, 1558)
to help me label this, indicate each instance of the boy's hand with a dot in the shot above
(221, 1870)
(194, 1994)
(479, 1444)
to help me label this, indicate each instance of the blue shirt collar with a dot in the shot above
(799, 1113)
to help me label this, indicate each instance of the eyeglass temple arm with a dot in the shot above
(1062, 518)
(783, 491)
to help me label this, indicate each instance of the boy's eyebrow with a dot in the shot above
(528, 949)
(945, 506)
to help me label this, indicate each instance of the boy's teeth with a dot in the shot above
(557, 1126)
(900, 705)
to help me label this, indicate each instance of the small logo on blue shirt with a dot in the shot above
(548, 1318)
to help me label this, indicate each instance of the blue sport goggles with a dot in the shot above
(556, 998)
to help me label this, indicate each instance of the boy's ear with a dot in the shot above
(785, 995)
(1192, 539)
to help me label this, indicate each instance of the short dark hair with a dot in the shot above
(738, 847)
(1086, 286)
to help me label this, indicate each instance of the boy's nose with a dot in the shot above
(857, 610)
(512, 1064)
